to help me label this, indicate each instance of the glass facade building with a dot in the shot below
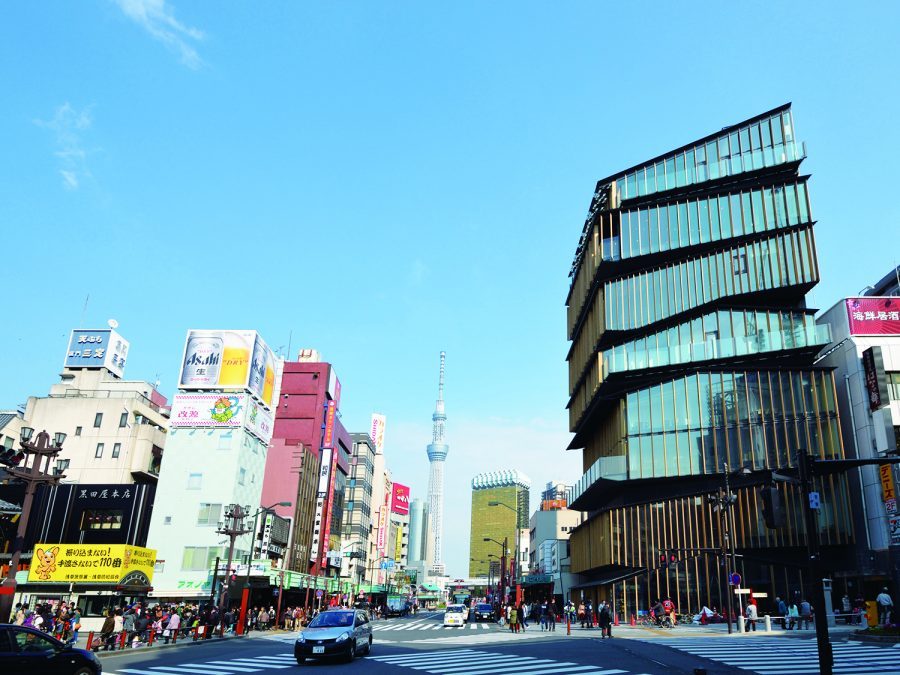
(692, 350)
(500, 505)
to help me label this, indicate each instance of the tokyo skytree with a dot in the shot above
(437, 453)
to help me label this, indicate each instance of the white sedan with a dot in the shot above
(455, 615)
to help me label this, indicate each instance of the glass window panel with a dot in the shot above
(715, 232)
(670, 173)
(693, 223)
(650, 173)
(747, 212)
(644, 245)
(766, 134)
(631, 414)
(680, 179)
(706, 398)
(759, 216)
(659, 456)
(695, 452)
(663, 215)
(724, 217)
(753, 266)
(712, 160)
(620, 187)
(693, 401)
(703, 209)
(777, 136)
(780, 208)
(689, 167)
(736, 220)
(631, 185)
(769, 208)
(673, 225)
(646, 457)
(790, 259)
(634, 235)
(787, 126)
(745, 139)
(683, 238)
(803, 203)
(644, 411)
(654, 230)
(791, 196)
(754, 137)
(660, 177)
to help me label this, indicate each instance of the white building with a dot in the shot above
(865, 352)
(215, 457)
(548, 536)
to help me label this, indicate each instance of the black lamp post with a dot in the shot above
(503, 546)
(32, 476)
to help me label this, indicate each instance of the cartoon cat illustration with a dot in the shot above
(46, 562)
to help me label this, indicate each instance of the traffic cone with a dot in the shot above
(633, 622)
(615, 619)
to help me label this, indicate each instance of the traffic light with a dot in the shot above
(663, 558)
(672, 560)
(773, 507)
(11, 457)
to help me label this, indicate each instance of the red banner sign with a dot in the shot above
(874, 316)
(400, 499)
(328, 438)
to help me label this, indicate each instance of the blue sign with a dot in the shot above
(814, 501)
(735, 579)
(387, 564)
(97, 348)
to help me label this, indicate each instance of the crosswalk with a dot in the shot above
(237, 666)
(427, 625)
(476, 662)
(794, 656)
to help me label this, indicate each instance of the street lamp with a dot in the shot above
(32, 477)
(503, 547)
(518, 542)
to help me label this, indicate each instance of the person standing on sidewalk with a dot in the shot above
(885, 606)
(604, 620)
(588, 615)
(551, 615)
(782, 610)
(805, 614)
(76, 623)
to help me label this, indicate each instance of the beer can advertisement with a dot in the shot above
(117, 564)
(229, 359)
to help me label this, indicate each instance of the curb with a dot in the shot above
(182, 644)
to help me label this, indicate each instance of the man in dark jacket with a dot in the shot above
(604, 619)
(107, 632)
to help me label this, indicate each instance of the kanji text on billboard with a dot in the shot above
(117, 564)
(377, 431)
(103, 348)
(874, 316)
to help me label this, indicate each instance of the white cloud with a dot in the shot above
(69, 125)
(536, 447)
(158, 19)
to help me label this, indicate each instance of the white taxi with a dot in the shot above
(455, 615)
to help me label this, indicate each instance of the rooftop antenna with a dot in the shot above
(84, 310)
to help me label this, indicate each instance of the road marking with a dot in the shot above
(231, 666)
(186, 668)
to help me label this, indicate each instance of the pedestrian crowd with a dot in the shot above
(62, 622)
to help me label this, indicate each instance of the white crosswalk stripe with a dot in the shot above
(480, 638)
(474, 662)
(794, 656)
(221, 667)
(427, 625)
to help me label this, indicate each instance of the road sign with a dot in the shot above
(320, 593)
(387, 564)
(760, 595)
(742, 591)
(814, 502)
(735, 579)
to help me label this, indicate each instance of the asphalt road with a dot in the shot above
(420, 645)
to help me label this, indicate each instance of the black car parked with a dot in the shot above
(26, 650)
(484, 612)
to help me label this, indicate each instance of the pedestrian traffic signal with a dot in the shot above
(773, 510)
(663, 558)
(10, 457)
(672, 560)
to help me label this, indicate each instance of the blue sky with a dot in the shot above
(385, 180)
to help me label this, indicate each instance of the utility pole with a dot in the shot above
(32, 476)
(826, 656)
(234, 528)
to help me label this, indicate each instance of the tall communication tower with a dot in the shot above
(437, 453)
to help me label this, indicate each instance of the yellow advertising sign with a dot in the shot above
(887, 482)
(118, 564)
(398, 549)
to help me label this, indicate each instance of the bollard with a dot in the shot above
(768, 620)
(741, 624)
(122, 639)
(568, 624)
(151, 637)
(633, 620)
(90, 640)
(196, 631)
(615, 618)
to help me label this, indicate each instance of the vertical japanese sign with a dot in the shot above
(398, 549)
(329, 509)
(321, 498)
(888, 495)
(875, 378)
(328, 436)
(400, 499)
(377, 431)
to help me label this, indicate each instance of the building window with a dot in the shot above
(8, 442)
(98, 420)
(123, 420)
(893, 382)
(167, 520)
(99, 451)
(199, 557)
(78, 431)
(224, 440)
(101, 519)
(194, 481)
(117, 448)
(242, 476)
(209, 514)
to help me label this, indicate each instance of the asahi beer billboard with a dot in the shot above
(229, 360)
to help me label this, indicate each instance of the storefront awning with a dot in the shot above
(610, 576)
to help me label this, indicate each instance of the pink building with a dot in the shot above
(294, 464)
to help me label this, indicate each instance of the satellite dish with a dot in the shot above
(112, 323)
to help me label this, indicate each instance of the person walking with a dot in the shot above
(524, 609)
(605, 621)
(107, 631)
(513, 620)
(581, 613)
(551, 615)
(793, 616)
(172, 627)
(76, 623)
(752, 615)
(589, 614)
(885, 606)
